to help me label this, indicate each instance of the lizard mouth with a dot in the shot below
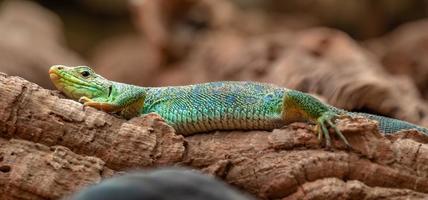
(54, 76)
(57, 77)
(54, 71)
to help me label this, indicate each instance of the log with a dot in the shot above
(65, 146)
(30, 170)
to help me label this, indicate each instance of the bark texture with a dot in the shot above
(51, 147)
(31, 170)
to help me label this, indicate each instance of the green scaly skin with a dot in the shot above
(209, 106)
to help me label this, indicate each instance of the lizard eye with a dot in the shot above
(85, 73)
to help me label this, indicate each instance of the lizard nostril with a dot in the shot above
(60, 68)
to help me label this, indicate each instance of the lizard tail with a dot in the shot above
(386, 125)
(389, 125)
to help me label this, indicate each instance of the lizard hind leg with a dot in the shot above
(327, 119)
(299, 106)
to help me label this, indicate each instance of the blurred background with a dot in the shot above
(359, 55)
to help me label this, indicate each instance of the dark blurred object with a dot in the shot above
(171, 26)
(404, 52)
(175, 26)
(361, 19)
(106, 6)
(90, 22)
(110, 7)
(162, 184)
(182, 36)
(31, 40)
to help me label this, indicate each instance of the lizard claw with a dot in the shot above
(84, 100)
(323, 122)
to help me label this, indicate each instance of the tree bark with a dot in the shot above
(51, 147)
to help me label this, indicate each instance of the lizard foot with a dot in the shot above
(84, 99)
(324, 121)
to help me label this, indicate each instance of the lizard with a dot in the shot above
(225, 105)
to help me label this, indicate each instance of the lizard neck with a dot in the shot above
(118, 89)
(129, 98)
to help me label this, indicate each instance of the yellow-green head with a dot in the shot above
(80, 81)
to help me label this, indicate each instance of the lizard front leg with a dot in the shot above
(127, 104)
(104, 106)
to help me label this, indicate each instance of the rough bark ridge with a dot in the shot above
(62, 146)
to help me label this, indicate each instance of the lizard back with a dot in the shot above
(217, 106)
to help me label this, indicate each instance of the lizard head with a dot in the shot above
(79, 81)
